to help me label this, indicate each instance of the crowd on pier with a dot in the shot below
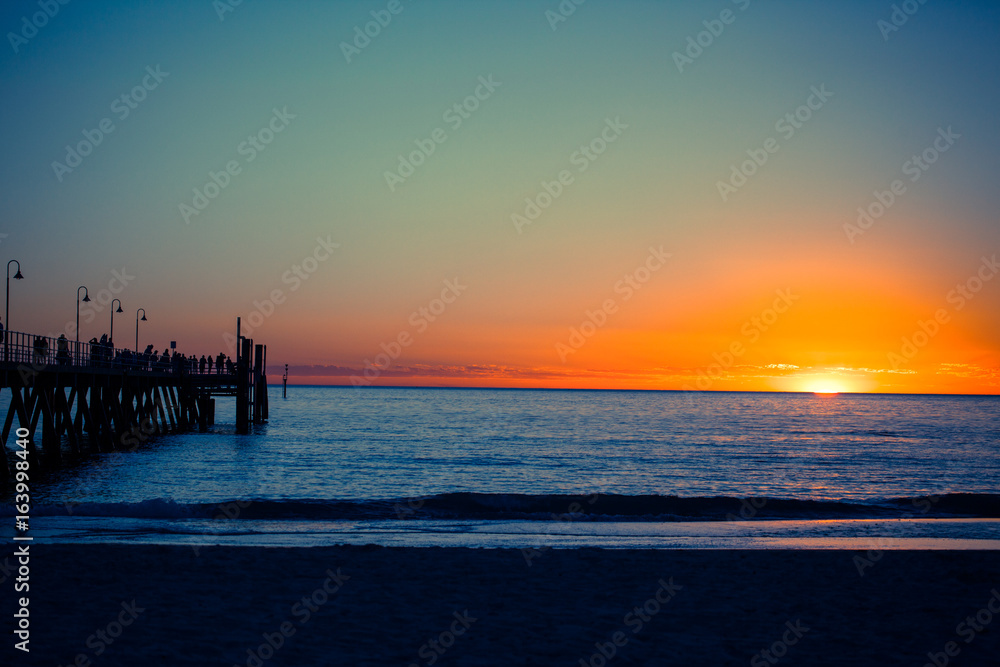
(102, 354)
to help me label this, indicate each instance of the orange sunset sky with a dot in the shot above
(728, 196)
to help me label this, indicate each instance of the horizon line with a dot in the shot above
(610, 389)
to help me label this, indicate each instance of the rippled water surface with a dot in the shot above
(354, 444)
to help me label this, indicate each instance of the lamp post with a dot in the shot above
(137, 327)
(113, 311)
(86, 299)
(6, 313)
(17, 276)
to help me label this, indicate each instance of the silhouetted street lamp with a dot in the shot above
(17, 276)
(137, 327)
(6, 312)
(86, 299)
(113, 311)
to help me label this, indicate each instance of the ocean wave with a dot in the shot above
(487, 506)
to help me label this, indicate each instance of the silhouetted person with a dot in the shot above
(41, 347)
(104, 350)
(219, 361)
(230, 366)
(201, 364)
(209, 364)
(62, 350)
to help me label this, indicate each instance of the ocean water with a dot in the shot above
(559, 468)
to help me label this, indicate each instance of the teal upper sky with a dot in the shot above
(247, 132)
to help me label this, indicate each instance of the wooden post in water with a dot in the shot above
(206, 412)
(263, 383)
(243, 388)
(284, 383)
(259, 389)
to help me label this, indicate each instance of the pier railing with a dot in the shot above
(38, 352)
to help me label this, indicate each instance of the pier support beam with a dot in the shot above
(243, 388)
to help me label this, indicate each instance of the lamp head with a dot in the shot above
(143, 318)
(119, 309)
(86, 298)
(18, 276)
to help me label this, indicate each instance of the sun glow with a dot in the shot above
(822, 384)
(826, 385)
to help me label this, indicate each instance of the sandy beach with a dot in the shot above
(133, 605)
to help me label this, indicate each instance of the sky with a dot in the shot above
(726, 195)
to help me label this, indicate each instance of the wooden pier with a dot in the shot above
(91, 397)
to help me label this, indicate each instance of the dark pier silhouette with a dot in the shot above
(92, 397)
